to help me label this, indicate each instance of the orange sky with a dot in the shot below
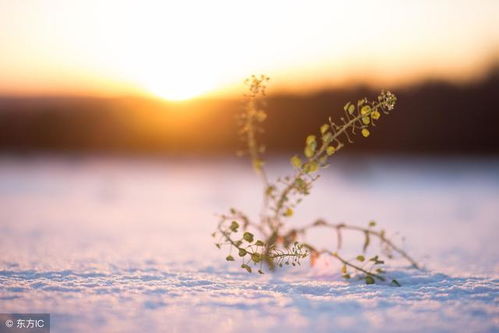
(183, 49)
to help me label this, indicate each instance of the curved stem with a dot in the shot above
(380, 235)
(346, 262)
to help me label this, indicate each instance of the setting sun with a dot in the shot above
(176, 87)
(164, 54)
(174, 92)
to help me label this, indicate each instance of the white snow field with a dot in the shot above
(123, 245)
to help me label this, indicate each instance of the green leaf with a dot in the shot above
(246, 267)
(256, 257)
(376, 260)
(248, 236)
(233, 226)
(369, 279)
(296, 161)
(242, 252)
(372, 223)
(346, 276)
(351, 109)
(360, 258)
(396, 283)
(259, 243)
(230, 258)
(344, 269)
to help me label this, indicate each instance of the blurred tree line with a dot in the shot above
(431, 117)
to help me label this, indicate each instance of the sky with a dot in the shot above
(183, 49)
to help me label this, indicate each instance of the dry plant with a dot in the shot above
(276, 244)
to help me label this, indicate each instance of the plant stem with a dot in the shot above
(381, 236)
(346, 262)
(282, 198)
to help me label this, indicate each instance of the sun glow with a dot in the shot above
(182, 49)
(173, 52)
(177, 87)
(174, 76)
(176, 92)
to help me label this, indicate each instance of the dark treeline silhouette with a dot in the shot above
(432, 117)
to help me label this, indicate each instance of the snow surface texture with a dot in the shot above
(120, 245)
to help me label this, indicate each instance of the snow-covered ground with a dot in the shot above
(123, 245)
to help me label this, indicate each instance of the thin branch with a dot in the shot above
(348, 263)
(380, 235)
(301, 172)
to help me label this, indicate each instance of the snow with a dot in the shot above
(123, 245)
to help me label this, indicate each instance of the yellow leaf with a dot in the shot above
(328, 137)
(365, 132)
(324, 128)
(366, 120)
(288, 212)
(310, 167)
(375, 115)
(309, 152)
(365, 110)
(330, 150)
(296, 161)
(310, 139)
